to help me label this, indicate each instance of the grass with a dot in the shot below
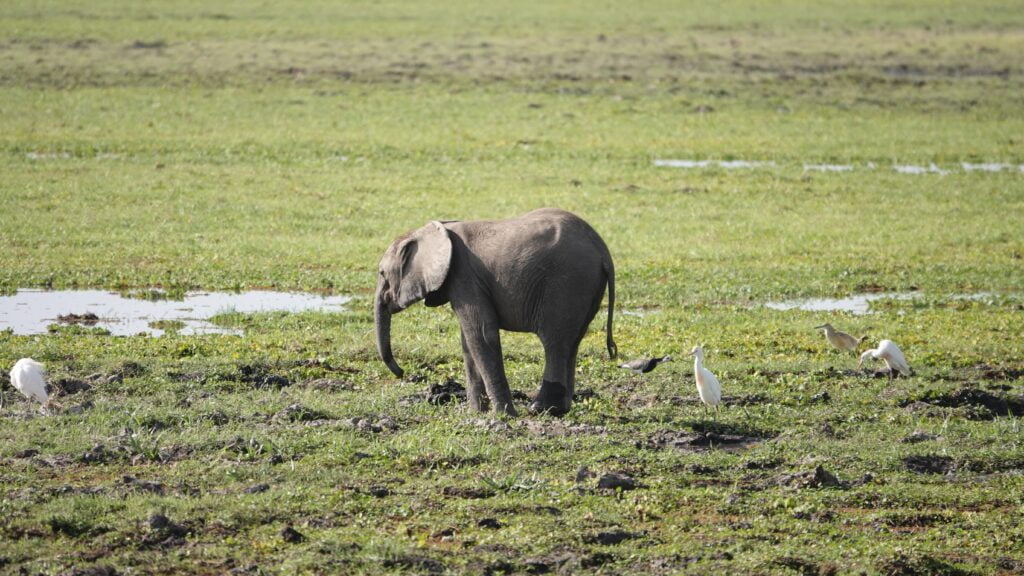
(283, 146)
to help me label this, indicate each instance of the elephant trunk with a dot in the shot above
(382, 320)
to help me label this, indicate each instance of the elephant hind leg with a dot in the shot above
(550, 399)
(556, 390)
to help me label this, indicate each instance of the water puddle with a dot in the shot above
(828, 168)
(931, 168)
(911, 169)
(858, 304)
(32, 311)
(988, 167)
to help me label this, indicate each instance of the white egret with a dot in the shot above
(841, 340)
(644, 365)
(29, 377)
(708, 388)
(889, 353)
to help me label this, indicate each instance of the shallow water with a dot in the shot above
(32, 311)
(931, 168)
(827, 168)
(858, 304)
(911, 169)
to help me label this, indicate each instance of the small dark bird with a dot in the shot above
(644, 365)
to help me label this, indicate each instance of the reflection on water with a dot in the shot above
(827, 168)
(31, 311)
(931, 168)
(856, 304)
(861, 303)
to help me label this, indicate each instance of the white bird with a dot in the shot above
(707, 385)
(891, 354)
(841, 340)
(29, 377)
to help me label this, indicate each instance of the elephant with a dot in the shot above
(544, 272)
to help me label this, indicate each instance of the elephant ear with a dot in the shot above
(426, 257)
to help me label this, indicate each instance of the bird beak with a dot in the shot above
(819, 327)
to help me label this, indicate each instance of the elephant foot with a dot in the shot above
(550, 400)
(479, 403)
(507, 409)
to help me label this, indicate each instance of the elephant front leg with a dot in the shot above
(482, 350)
(476, 391)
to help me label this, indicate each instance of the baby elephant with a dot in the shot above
(544, 272)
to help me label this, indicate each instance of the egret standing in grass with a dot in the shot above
(707, 385)
(840, 340)
(29, 377)
(644, 365)
(891, 354)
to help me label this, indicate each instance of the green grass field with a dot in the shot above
(236, 145)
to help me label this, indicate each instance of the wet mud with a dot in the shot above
(689, 441)
(970, 402)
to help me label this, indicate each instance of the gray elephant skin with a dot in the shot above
(544, 272)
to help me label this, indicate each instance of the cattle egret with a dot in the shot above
(840, 340)
(889, 353)
(644, 365)
(707, 385)
(29, 377)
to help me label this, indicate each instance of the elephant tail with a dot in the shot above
(609, 270)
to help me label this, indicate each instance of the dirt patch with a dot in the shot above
(490, 425)
(69, 386)
(913, 520)
(133, 484)
(617, 481)
(975, 403)
(805, 567)
(415, 564)
(987, 372)
(565, 562)
(291, 535)
(993, 464)
(901, 564)
(929, 464)
(257, 488)
(163, 533)
(258, 376)
(450, 461)
(612, 537)
(374, 425)
(438, 394)
(918, 436)
(817, 478)
(466, 492)
(696, 441)
(91, 571)
(558, 428)
(299, 413)
(489, 523)
(330, 385)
